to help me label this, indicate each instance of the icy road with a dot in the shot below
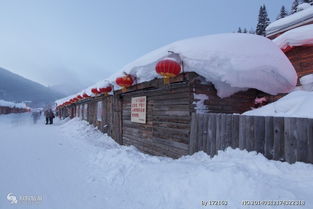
(72, 165)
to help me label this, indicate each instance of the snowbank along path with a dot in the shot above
(72, 165)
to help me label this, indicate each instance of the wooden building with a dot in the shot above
(300, 54)
(168, 109)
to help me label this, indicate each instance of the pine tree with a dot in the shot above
(283, 13)
(239, 30)
(245, 30)
(294, 6)
(263, 21)
(307, 1)
(252, 31)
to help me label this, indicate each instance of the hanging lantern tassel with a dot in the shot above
(168, 68)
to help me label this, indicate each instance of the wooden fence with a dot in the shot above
(277, 138)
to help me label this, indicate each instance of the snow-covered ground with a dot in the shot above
(72, 165)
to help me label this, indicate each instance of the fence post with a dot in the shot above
(212, 135)
(193, 134)
(259, 134)
(235, 131)
(290, 140)
(278, 146)
(269, 137)
(302, 140)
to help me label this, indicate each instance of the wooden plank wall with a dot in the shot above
(166, 131)
(302, 60)
(284, 139)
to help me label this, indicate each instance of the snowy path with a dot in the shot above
(72, 165)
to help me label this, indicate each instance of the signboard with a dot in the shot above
(138, 109)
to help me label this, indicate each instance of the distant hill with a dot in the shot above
(16, 88)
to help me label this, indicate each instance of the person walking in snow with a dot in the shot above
(49, 116)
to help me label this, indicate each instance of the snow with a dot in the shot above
(296, 104)
(232, 62)
(303, 6)
(4, 103)
(303, 16)
(72, 165)
(296, 37)
(200, 106)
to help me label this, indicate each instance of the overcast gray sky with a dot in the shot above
(83, 41)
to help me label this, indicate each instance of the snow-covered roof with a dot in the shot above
(296, 37)
(291, 21)
(232, 62)
(4, 103)
(296, 104)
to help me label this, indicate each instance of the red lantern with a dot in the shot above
(124, 81)
(168, 68)
(95, 91)
(105, 90)
(85, 95)
(79, 97)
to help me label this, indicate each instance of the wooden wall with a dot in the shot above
(169, 110)
(302, 59)
(166, 131)
(277, 138)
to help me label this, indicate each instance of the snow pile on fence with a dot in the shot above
(232, 62)
(301, 16)
(297, 37)
(296, 104)
(4, 103)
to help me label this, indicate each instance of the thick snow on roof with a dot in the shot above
(296, 104)
(4, 103)
(296, 37)
(284, 23)
(232, 62)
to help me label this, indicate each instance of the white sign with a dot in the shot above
(138, 109)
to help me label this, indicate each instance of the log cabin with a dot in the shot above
(294, 35)
(151, 101)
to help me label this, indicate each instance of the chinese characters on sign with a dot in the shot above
(138, 109)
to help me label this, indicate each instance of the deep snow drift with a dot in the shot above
(296, 104)
(72, 165)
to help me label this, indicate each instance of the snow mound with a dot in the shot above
(121, 169)
(296, 104)
(297, 37)
(232, 62)
(303, 16)
(4, 103)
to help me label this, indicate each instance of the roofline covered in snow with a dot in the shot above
(289, 26)
(271, 31)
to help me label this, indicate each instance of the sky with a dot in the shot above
(79, 42)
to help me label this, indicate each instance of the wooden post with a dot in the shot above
(235, 131)
(278, 146)
(249, 126)
(212, 135)
(193, 134)
(259, 134)
(302, 139)
(290, 140)
(269, 137)
(242, 132)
